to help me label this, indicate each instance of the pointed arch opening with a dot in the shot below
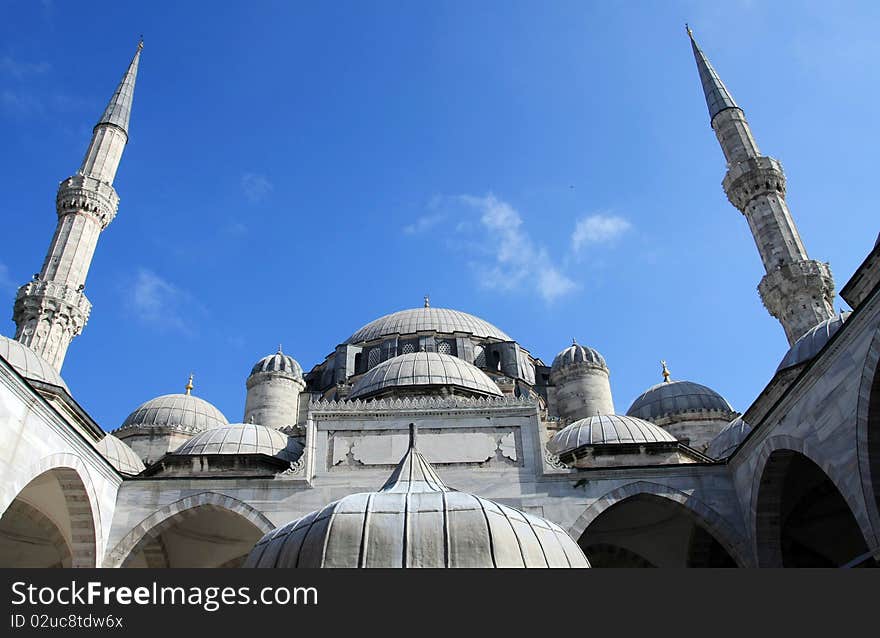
(802, 520)
(49, 523)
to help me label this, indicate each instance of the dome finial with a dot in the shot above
(279, 349)
(574, 341)
(688, 29)
(666, 374)
(189, 385)
(427, 301)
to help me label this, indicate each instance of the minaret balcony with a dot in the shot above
(59, 292)
(81, 193)
(752, 177)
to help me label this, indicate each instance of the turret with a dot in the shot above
(582, 387)
(273, 389)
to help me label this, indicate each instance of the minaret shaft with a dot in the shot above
(52, 309)
(797, 290)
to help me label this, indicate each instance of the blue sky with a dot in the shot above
(296, 170)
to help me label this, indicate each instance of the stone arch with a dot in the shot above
(786, 443)
(80, 499)
(868, 434)
(146, 533)
(702, 514)
(46, 526)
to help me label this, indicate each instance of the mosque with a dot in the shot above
(432, 438)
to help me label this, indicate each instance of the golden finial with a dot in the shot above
(427, 301)
(574, 341)
(688, 29)
(666, 374)
(189, 384)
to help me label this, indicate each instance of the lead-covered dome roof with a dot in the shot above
(609, 429)
(415, 520)
(441, 320)
(422, 370)
(120, 455)
(673, 398)
(29, 364)
(181, 412)
(728, 439)
(278, 362)
(243, 438)
(809, 344)
(576, 354)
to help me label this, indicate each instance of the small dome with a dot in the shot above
(414, 520)
(120, 455)
(728, 439)
(577, 354)
(610, 429)
(671, 398)
(809, 344)
(243, 438)
(278, 362)
(424, 369)
(441, 320)
(182, 412)
(29, 364)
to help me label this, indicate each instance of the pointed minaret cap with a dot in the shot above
(718, 98)
(414, 473)
(118, 111)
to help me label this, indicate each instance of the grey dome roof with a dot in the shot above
(424, 369)
(577, 354)
(278, 362)
(670, 398)
(611, 429)
(415, 320)
(120, 455)
(809, 344)
(414, 520)
(182, 412)
(28, 363)
(243, 438)
(728, 439)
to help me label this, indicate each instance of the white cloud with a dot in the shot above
(256, 187)
(424, 224)
(19, 70)
(516, 261)
(597, 229)
(6, 283)
(158, 302)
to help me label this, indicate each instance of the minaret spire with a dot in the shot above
(797, 290)
(52, 309)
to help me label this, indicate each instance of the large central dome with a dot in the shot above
(441, 320)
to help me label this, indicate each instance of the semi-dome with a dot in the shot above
(429, 319)
(120, 455)
(610, 429)
(242, 438)
(278, 362)
(576, 354)
(728, 439)
(672, 398)
(181, 412)
(415, 520)
(809, 344)
(421, 370)
(29, 364)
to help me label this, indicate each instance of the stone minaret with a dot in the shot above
(797, 290)
(52, 309)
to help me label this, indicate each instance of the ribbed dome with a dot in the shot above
(424, 369)
(671, 398)
(577, 354)
(278, 362)
(414, 520)
(182, 412)
(243, 438)
(415, 320)
(610, 429)
(809, 344)
(28, 363)
(120, 455)
(728, 439)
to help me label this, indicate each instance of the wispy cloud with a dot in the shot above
(599, 228)
(160, 303)
(20, 103)
(18, 70)
(6, 283)
(256, 187)
(424, 224)
(515, 260)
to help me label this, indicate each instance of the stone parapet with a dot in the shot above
(81, 193)
(752, 177)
